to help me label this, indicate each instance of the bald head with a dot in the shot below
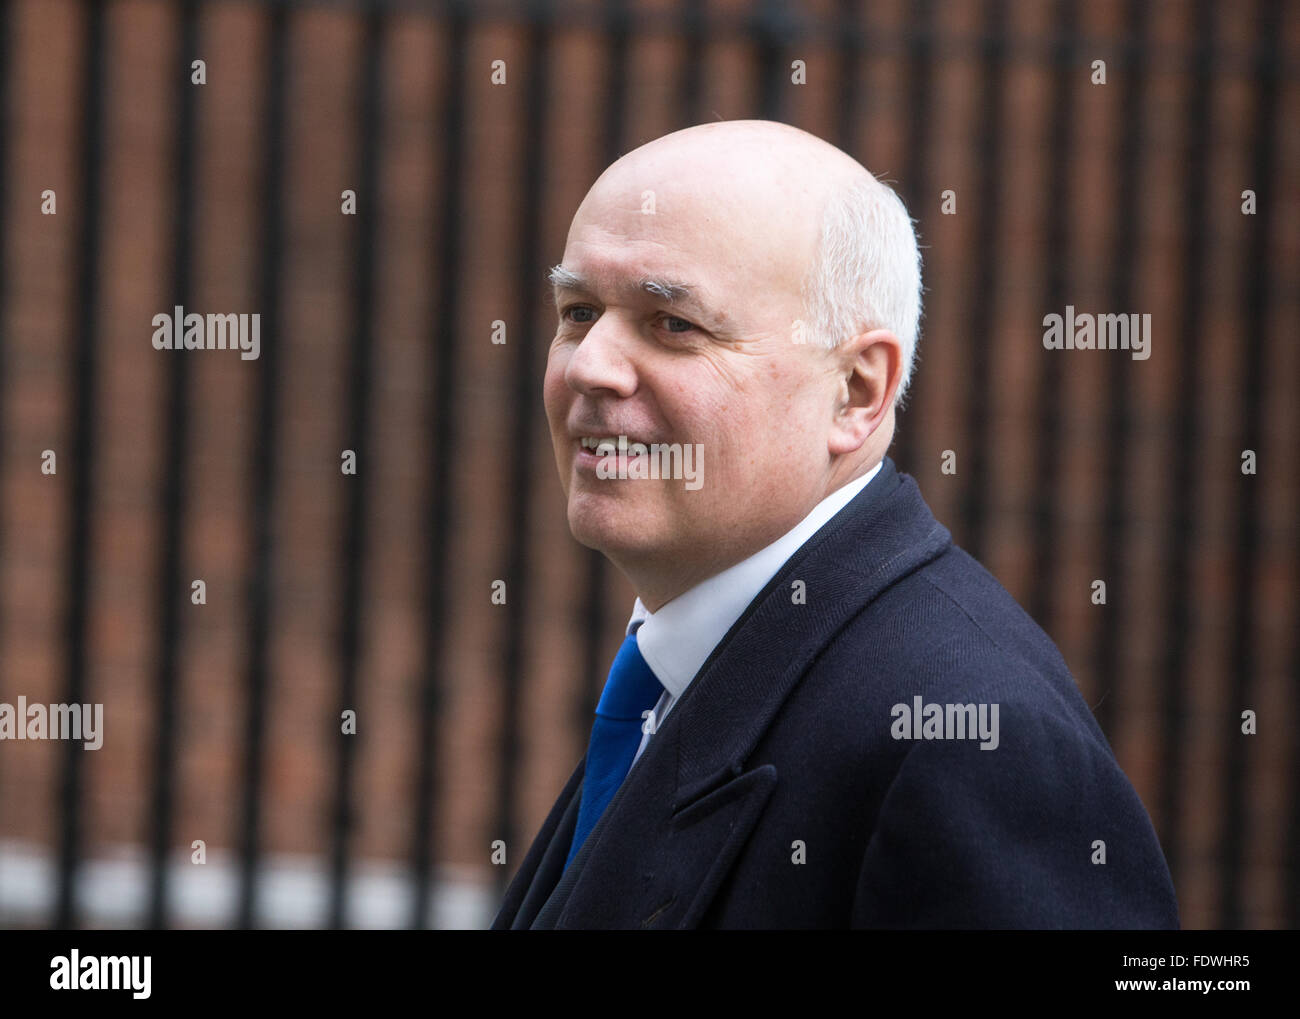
(786, 209)
(744, 172)
(734, 286)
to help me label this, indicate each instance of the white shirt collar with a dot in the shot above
(678, 639)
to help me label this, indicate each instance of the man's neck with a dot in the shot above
(657, 587)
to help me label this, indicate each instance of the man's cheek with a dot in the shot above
(553, 393)
(557, 362)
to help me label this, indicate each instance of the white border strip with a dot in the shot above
(293, 891)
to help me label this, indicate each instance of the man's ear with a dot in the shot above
(871, 367)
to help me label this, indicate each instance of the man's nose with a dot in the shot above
(602, 360)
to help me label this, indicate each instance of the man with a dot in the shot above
(824, 713)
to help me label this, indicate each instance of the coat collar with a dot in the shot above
(675, 826)
(678, 639)
(886, 532)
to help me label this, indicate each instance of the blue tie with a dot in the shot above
(615, 735)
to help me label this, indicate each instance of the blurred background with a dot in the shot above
(328, 592)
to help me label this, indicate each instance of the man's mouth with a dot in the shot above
(597, 449)
(602, 445)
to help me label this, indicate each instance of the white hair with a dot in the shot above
(866, 273)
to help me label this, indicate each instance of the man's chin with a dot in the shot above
(609, 527)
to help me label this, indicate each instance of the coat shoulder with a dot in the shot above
(949, 630)
(977, 785)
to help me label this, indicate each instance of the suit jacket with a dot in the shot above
(777, 793)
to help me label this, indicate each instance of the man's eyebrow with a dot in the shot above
(565, 279)
(670, 290)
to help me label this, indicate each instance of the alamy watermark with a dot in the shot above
(181, 331)
(77, 972)
(658, 460)
(1085, 331)
(946, 721)
(53, 721)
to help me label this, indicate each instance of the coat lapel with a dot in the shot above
(650, 866)
(542, 866)
(668, 838)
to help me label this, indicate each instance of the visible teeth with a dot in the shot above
(595, 442)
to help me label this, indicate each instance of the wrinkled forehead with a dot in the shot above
(739, 224)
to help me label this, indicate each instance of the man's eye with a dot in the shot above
(579, 310)
(677, 325)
